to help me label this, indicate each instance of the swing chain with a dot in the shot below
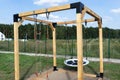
(86, 38)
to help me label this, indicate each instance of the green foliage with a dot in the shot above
(62, 31)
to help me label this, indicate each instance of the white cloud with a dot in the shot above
(52, 18)
(116, 10)
(49, 2)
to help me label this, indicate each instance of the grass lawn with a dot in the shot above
(31, 64)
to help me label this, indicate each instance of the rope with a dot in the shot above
(40, 25)
(46, 38)
(67, 41)
(72, 48)
(68, 47)
(86, 39)
(36, 38)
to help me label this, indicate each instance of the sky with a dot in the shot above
(109, 10)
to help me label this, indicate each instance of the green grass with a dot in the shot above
(31, 64)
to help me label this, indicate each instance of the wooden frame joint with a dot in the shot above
(54, 24)
(101, 75)
(79, 7)
(16, 17)
(55, 68)
(99, 20)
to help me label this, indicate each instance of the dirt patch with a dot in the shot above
(61, 74)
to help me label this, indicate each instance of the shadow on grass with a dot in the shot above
(28, 70)
(92, 69)
(69, 68)
(75, 69)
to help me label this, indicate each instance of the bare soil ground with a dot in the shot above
(61, 74)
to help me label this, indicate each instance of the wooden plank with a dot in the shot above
(90, 75)
(59, 23)
(16, 50)
(54, 48)
(41, 11)
(38, 20)
(100, 46)
(89, 20)
(79, 47)
(74, 21)
(92, 13)
(67, 22)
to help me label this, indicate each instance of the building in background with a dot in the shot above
(2, 37)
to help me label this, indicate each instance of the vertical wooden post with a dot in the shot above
(16, 50)
(101, 48)
(79, 46)
(54, 49)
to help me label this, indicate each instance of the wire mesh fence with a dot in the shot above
(29, 65)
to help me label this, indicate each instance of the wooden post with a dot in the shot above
(54, 49)
(16, 50)
(100, 47)
(79, 47)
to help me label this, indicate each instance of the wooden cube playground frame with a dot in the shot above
(81, 10)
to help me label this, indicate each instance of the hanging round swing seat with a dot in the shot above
(73, 62)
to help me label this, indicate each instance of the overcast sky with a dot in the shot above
(109, 10)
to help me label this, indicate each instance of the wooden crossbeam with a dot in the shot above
(92, 13)
(89, 20)
(59, 23)
(74, 21)
(38, 20)
(66, 22)
(34, 19)
(89, 75)
(41, 11)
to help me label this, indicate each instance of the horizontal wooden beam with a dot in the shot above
(89, 75)
(90, 12)
(41, 11)
(34, 19)
(89, 20)
(38, 20)
(74, 21)
(66, 22)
